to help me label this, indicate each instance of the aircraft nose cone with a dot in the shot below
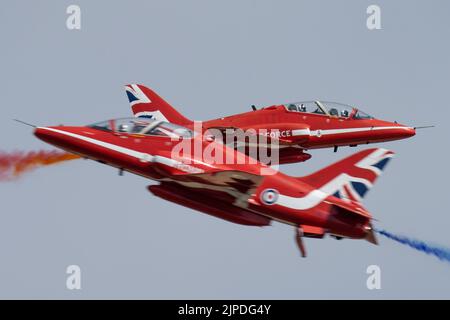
(43, 133)
(46, 134)
(407, 132)
(399, 131)
(40, 132)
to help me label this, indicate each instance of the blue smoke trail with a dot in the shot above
(441, 253)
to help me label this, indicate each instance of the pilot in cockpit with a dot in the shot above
(333, 112)
(124, 127)
(292, 107)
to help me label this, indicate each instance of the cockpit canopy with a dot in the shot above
(333, 109)
(143, 126)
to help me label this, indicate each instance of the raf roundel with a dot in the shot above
(269, 196)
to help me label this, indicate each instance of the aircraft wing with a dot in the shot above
(238, 184)
(206, 201)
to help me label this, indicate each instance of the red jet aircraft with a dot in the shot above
(297, 126)
(250, 193)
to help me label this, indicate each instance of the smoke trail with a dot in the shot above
(441, 253)
(14, 164)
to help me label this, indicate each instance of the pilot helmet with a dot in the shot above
(124, 127)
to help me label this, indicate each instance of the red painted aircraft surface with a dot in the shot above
(297, 126)
(250, 193)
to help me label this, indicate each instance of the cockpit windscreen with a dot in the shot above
(332, 109)
(143, 126)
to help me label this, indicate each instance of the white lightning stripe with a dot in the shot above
(337, 184)
(338, 131)
(312, 199)
(107, 145)
(136, 154)
(301, 132)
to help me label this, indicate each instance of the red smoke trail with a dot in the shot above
(14, 164)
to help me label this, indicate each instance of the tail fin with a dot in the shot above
(352, 177)
(146, 103)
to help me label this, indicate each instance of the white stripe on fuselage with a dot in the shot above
(309, 201)
(338, 131)
(301, 132)
(130, 152)
(316, 196)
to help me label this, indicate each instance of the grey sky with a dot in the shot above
(209, 59)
